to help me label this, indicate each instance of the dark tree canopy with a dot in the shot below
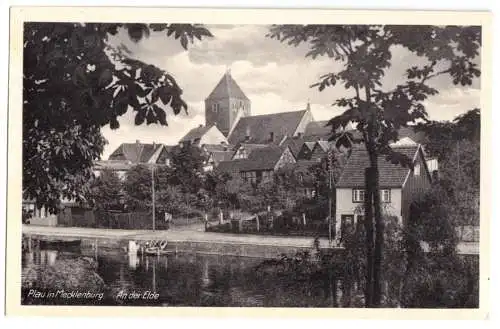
(74, 83)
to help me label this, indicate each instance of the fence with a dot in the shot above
(275, 225)
(77, 217)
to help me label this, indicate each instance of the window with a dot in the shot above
(358, 195)
(251, 176)
(416, 169)
(267, 175)
(215, 107)
(385, 195)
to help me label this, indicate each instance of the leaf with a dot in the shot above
(160, 114)
(184, 42)
(140, 117)
(165, 94)
(105, 78)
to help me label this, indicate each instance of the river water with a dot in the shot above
(190, 279)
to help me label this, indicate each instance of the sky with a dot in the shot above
(274, 76)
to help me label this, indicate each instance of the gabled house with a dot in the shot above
(216, 153)
(260, 164)
(128, 155)
(399, 186)
(320, 150)
(137, 152)
(305, 151)
(204, 135)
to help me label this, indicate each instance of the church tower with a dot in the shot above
(226, 104)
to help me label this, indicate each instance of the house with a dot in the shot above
(320, 150)
(259, 165)
(120, 167)
(41, 216)
(128, 155)
(399, 186)
(305, 151)
(137, 152)
(270, 128)
(215, 153)
(204, 135)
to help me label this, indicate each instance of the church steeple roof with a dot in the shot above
(227, 88)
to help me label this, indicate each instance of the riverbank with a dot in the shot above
(182, 239)
(193, 239)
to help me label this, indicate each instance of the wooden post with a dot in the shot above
(258, 224)
(221, 217)
(304, 219)
(206, 221)
(153, 195)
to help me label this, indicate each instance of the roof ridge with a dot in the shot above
(269, 114)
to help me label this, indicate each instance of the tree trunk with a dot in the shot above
(369, 238)
(379, 242)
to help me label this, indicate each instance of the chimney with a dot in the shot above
(308, 107)
(271, 136)
(247, 133)
(154, 144)
(137, 142)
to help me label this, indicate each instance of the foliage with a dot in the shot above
(365, 52)
(442, 282)
(74, 83)
(443, 136)
(138, 187)
(187, 163)
(105, 191)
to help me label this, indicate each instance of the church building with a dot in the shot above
(229, 110)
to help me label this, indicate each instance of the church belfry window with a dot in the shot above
(215, 107)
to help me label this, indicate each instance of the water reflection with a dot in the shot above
(196, 280)
(208, 280)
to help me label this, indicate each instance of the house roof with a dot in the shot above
(227, 87)
(324, 145)
(115, 165)
(390, 175)
(296, 144)
(217, 147)
(318, 129)
(259, 159)
(135, 152)
(195, 133)
(249, 147)
(219, 156)
(260, 127)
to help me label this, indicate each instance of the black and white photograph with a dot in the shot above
(194, 164)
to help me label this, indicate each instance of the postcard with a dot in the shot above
(291, 162)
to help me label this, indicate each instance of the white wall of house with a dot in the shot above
(346, 206)
(213, 136)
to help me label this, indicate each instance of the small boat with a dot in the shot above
(59, 244)
(157, 248)
(157, 252)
